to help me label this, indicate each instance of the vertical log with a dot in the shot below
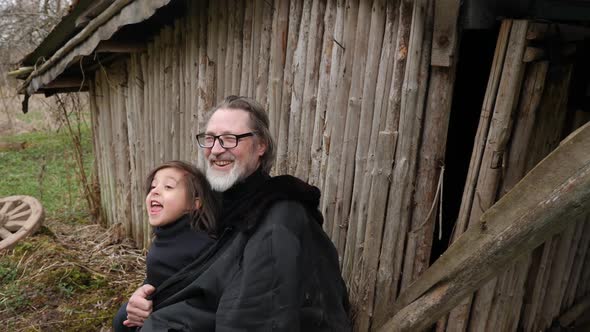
(151, 105)
(189, 72)
(355, 242)
(230, 45)
(159, 87)
(278, 48)
(238, 16)
(132, 142)
(97, 140)
(246, 75)
(380, 182)
(308, 110)
(261, 93)
(330, 203)
(256, 43)
(193, 67)
(337, 54)
(367, 269)
(368, 110)
(296, 105)
(207, 82)
(295, 14)
(430, 171)
(176, 131)
(202, 90)
(351, 128)
(323, 86)
(109, 152)
(146, 148)
(222, 18)
(404, 171)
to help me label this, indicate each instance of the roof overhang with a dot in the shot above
(118, 14)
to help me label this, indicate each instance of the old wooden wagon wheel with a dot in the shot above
(19, 217)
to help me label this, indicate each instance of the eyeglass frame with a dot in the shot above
(218, 138)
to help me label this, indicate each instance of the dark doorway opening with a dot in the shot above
(476, 53)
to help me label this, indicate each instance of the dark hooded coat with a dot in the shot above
(272, 269)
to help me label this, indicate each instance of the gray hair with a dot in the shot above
(258, 122)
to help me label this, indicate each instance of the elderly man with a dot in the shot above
(272, 266)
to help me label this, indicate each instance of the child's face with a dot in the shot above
(167, 199)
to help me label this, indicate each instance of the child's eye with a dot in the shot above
(168, 187)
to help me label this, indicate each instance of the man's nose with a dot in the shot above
(217, 148)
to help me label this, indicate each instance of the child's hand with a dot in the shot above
(139, 307)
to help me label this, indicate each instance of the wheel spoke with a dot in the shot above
(4, 233)
(6, 206)
(18, 209)
(17, 216)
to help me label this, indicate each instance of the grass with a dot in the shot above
(46, 170)
(72, 275)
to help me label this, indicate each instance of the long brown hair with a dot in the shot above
(197, 186)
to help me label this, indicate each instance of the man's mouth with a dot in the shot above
(222, 163)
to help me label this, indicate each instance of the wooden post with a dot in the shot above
(261, 83)
(346, 176)
(296, 105)
(337, 55)
(295, 14)
(310, 92)
(371, 110)
(337, 124)
(404, 172)
(323, 89)
(380, 184)
(429, 174)
(278, 54)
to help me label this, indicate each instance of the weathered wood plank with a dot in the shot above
(445, 35)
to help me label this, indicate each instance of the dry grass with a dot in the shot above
(68, 277)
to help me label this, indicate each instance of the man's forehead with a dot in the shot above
(228, 120)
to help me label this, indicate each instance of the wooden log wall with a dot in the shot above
(354, 104)
(522, 120)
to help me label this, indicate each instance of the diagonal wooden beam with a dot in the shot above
(553, 194)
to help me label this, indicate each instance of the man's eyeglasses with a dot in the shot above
(227, 141)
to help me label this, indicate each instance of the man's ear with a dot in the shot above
(198, 203)
(260, 148)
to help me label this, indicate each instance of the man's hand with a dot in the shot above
(139, 307)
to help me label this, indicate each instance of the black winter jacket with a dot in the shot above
(272, 269)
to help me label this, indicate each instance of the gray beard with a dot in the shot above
(221, 181)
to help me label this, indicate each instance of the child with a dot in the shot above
(181, 209)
